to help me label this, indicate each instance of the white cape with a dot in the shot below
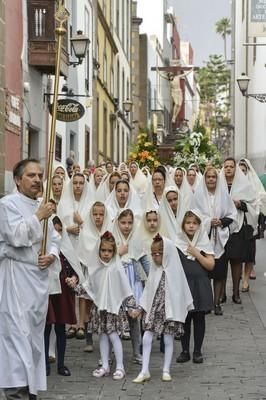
(222, 206)
(106, 284)
(178, 298)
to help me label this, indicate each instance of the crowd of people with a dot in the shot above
(131, 253)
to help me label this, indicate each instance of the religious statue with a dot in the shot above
(177, 93)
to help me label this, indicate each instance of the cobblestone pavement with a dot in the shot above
(233, 369)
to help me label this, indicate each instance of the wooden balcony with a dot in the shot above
(41, 37)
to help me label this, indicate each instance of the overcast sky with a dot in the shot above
(196, 24)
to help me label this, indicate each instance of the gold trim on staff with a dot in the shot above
(61, 16)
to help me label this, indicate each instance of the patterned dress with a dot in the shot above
(105, 322)
(157, 322)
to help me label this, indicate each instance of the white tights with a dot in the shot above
(105, 350)
(146, 351)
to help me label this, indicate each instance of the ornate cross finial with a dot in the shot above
(61, 14)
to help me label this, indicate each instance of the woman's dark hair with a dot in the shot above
(125, 213)
(244, 163)
(160, 170)
(122, 181)
(190, 214)
(230, 159)
(78, 174)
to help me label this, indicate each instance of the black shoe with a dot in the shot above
(64, 371)
(236, 299)
(218, 310)
(197, 357)
(183, 357)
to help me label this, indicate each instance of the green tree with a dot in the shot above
(214, 82)
(223, 28)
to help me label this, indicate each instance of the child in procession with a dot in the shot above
(165, 302)
(130, 251)
(108, 287)
(197, 257)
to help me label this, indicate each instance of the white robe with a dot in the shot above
(23, 294)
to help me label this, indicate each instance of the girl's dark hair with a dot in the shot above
(151, 212)
(125, 213)
(179, 169)
(158, 240)
(109, 238)
(190, 214)
(57, 220)
(122, 181)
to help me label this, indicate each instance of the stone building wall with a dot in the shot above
(2, 96)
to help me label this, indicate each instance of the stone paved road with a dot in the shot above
(233, 369)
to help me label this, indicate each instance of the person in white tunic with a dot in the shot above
(24, 284)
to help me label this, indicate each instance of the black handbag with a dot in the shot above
(247, 230)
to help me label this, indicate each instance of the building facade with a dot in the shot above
(2, 98)
(249, 115)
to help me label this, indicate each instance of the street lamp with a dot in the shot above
(243, 82)
(79, 44)
(127, 106)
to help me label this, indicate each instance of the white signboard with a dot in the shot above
(257, 18)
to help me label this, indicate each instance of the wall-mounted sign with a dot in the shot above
(68, 110)
(257, 20)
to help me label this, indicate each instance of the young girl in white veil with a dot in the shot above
(108, 287)
(165, 303)
(96, 222)
(130, 250)
(196, 254)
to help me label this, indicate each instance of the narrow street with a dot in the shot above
(233, 368)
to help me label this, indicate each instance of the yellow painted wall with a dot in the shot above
(104, 49)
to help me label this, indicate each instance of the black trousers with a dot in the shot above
(198, 318)
(60, 331)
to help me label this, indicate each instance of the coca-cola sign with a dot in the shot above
(68, 110)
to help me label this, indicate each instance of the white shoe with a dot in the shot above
(166, 377)
(141, 378)
(100, 372)
(119, 374)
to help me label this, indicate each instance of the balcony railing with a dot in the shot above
(41, 37)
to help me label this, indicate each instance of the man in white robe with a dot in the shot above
(24, 284)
